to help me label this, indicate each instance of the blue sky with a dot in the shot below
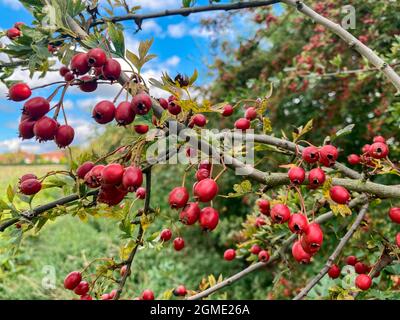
(180, 43)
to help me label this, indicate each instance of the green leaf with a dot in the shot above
(344, 131)
(144, 47)
(117, 39)
(10, 193)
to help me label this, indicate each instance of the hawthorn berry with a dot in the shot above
(202, 174)
(299, 254)
(229, 254)
(379, 139)
(180, 291)
(84, 169)
(69, 76)
(363, 282)
(360, 268)
(280, 213)
(82, 288)
(310, 154)
(339, 194)
(251, 113)
(227, 110)
(141, 104)
(111, 69)
(398, 239)
(45, 129)
(198, 120)
(27, 177)
(312, 238)
(13, 33)
(36, 108)
(298, 223)
(255, 249)
(88, 84)
(328, 155)
(178, 197)
(132, 178)
(64, 136)
(174, 108)
(179, 244)
(19, 92)
(242, 124)
(96, 57)
(394, 214)
(334, 271)
(111, 195)
(64, 70)
(141, 128)
(79, 65)
(166, 235)
(94, 176)
(205, 190)
(72, 280)
(18, 25)
(378, 150)
(124, 114)
(260, 222)
(264, 206)
(263, 256)
(353, 159)
(351, 260)
(112, 174)
(30, 187)
(25, 129)
(123, 270)
(190, 213)
(208, 219)
(205, 164)
(163, 103)
(141, 193)
(104, 112)
(365, 148)
(296, 175)
(86, 297)
(316, 178)
(147, 295)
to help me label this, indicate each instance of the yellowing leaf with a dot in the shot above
(211, 280)
(267, 126)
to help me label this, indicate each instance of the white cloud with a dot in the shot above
(12, 4)
(156, 4)
(173, 61)
(177, 30)
(151, 26)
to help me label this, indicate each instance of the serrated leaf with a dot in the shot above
(10, 193)
(345, 130)
(117, 39)
(144, 48)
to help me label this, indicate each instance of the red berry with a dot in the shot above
(163, 103)
(86, 297)
(378, 150)
(105, 296)
(353, 159)
(299, 254)
(84, 169)
(111, 195)
(19, 92)
(45, 129)
(13, 33)
(104, 112)
(363, 282)
(112, 174)
(190, 213)
(111, 69)
(205, 164)
(174, 108)
(205, 190)
(79, 64)
(251, 113)
(52, 48)
(328, 155)
(179, 243)
(96, 57)
(229, 254)
(124, 114)
(132, 178)
(394, 214)
(141, 104)
(198, 120)
(166, 235)
(141, 193)
(93, 177)
(334, 271)
(264, 206)
(398, 239)
(141, 128)
(64, 136)
(36, 107)
(259, 222)
(365, 148)
(339, 194)
(88, 84)
(72, 280)
(178, 197)
(64, 70)
(227, 110)
(280, 213)
(180, 291)
(25, 129)
(312, 239)
(242, 124)
(379, 139)
(298, 223)
(316, 178)
(202, 174)
(30, 187)
(69, 76)
(18, 25)
(255, 249)
(296, 175)
(351, 260)
(27, 177)
(310, 154)
(263, 256)
(209, 219)
(82, 288)
(360, 268)
(147, 295)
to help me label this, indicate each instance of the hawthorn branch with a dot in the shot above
(276, 256)
(351, 40)
(303, 293)
(138, 18)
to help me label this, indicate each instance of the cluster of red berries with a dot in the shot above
(73, 281)
(263, 255)
(244, 123)
(15, 31)
(114, 180)
(377, 150)
(29, 184)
